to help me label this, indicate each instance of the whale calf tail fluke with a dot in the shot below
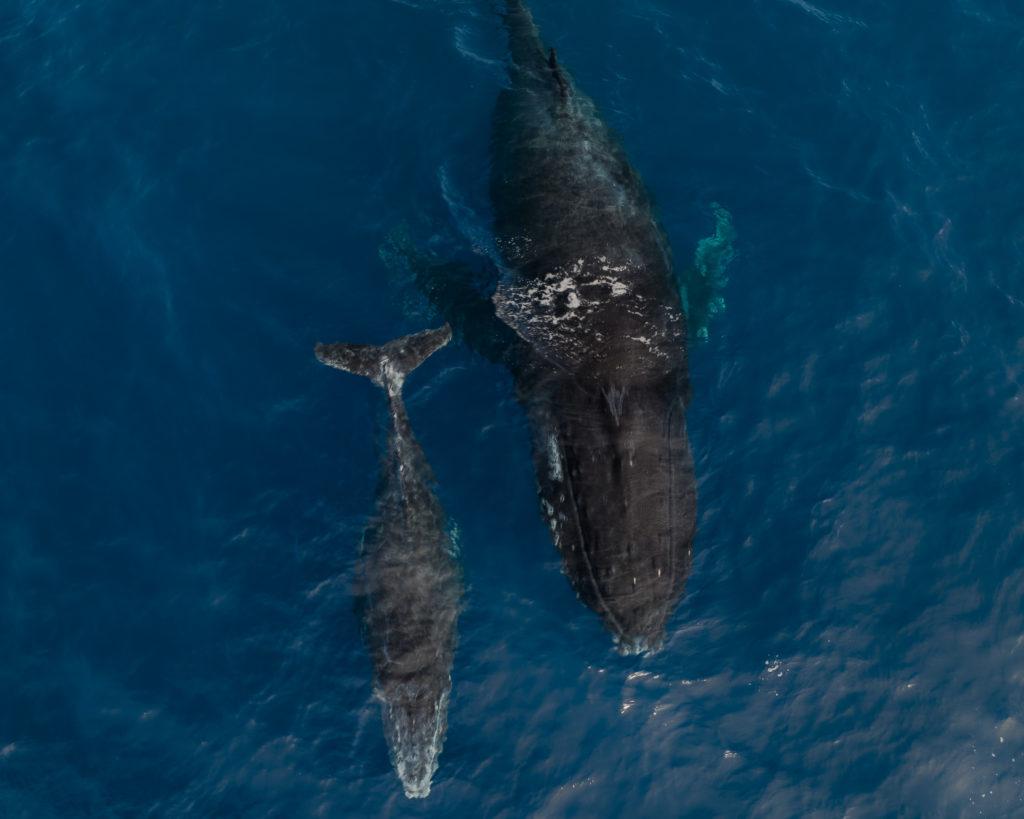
(389, 364)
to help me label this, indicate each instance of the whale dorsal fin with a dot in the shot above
(556, 72)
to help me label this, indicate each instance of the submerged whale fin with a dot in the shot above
(702, 284)
(387, 365)
(456, 291)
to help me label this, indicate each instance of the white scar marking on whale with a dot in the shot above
(650, 345)
(554, 459)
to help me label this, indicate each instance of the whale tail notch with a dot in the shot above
(387, 365)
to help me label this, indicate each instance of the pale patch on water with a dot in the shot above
(461, 39)
(823, 16)
(773, 666)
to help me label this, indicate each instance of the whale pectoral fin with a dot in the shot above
(458, 293)
(702, 284)
(542, 323)
(451, 287)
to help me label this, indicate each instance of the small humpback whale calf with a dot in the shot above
(411, 582)
(587, 315)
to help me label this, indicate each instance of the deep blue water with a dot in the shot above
(193, 193)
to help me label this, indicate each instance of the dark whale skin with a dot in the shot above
(588, 288)
(410, 582)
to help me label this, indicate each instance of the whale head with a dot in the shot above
(414, 725)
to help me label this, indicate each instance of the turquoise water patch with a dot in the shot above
(702, 285)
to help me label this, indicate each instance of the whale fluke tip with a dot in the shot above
(387, 365)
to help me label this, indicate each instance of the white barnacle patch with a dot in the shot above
(655, 346)
(549, 512)
(587, 311)
(613, 286)
(579, 287)
(515, 247)
(554, 460)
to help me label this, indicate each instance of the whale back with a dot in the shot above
(588, 275)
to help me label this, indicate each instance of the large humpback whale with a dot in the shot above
(588, 287)
(588, 317)
(410, 578)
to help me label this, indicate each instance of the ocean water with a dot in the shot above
(193, 193)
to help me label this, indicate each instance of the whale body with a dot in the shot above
(588, 318)
(410, 579)
(588, 290)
